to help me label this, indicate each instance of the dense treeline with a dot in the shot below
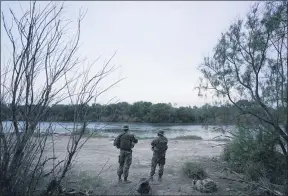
(139, 112)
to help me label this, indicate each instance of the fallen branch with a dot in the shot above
(237, 174)
(252, 183)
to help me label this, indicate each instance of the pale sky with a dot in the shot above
(159, 44)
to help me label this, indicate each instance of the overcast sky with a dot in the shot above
(159, 44)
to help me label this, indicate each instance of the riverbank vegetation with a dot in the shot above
(250, 62)
(146, 112)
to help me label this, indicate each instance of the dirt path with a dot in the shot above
(100, 154)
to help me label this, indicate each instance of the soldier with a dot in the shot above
(125, 142)
(159, 147)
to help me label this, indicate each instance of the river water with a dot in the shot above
(141, 130)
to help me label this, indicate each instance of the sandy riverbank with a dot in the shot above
(98, 152)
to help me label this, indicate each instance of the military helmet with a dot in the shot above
(161, 132)
(125, 127)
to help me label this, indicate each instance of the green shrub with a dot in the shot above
(255, 156)
(194, 171)
(188, 137)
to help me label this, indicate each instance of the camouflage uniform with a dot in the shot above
(159, 147)
(125, 160)
(127, 141)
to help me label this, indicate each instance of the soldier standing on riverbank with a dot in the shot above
(159, 148)
(125, 142)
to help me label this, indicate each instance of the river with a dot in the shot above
(141, 130)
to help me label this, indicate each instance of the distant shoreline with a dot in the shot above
(139, 123)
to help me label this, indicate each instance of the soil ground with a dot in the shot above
(99, 157)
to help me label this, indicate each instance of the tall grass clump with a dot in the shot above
(194, 171)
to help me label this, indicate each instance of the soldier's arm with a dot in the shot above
(154, 142)
(167, 146)
(134, 139)
(115, 140)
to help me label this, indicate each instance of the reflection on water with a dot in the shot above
(141, 130)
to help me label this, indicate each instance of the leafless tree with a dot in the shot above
(44, 69)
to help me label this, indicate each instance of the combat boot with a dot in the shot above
(119, 179)
(126, 181)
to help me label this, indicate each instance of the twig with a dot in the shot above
(102, 169)
(133, 189)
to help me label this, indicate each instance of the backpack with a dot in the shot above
(117, 141)
(161, 145)
(126, 142)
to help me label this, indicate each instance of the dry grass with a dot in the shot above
(194, 171)
(84, 183)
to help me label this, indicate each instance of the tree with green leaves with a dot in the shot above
(250, 63)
